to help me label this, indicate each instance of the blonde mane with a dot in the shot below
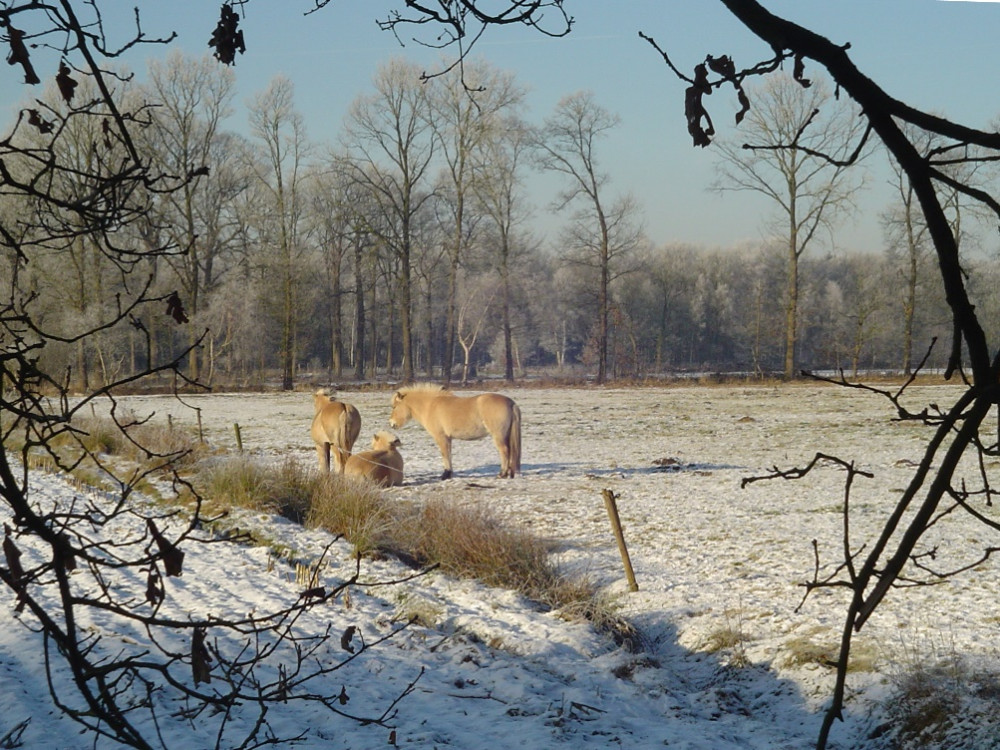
(423, 388)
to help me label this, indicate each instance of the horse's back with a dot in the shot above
(384, 467)
(331, 417)
(495, 409)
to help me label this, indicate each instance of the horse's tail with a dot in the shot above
(343, 445)
(515, 439)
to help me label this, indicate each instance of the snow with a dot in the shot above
(493, 670)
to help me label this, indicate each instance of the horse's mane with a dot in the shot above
(421, 387)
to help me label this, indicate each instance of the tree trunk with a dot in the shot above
(359, 307)
(792, 302)
(603, 303)
(406, 309)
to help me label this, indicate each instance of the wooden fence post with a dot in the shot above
(610, 503)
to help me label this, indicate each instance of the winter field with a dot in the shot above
(727, 660)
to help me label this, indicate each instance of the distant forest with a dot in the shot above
(404, 249)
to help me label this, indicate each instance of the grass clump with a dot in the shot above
(357, 510)
(100, 452)
(730, 638)
(244, 481)
(142, 443)
(942, 698)
(468, 541)
(465, 541)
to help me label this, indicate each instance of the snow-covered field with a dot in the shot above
(710, 559)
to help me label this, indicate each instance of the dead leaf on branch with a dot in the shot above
(695, 110)
(227, 39)
(64, 552)
(38, 122)
(154, 588)
(172, 556)
(201, 660)
(106, 133)
(19, 54)
(175, 308)
(317, 592)
(744, 104)
(798, 73)
(17, 574)
(726, 68)
(345, 639)
(67, 85)
(282, 692)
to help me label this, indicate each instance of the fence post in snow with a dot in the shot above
(610, 503)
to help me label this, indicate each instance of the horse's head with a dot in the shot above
(385, 441)
(321, 398)
(400, 411)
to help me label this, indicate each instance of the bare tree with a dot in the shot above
(906, 233)
(463, 110)
(810, 186)
(906, 239)
(330, 218)
(194, 97)
(603, 234)
(432, 269)
(498, 188)
(472, 312)
(280, 130)
(389, 152)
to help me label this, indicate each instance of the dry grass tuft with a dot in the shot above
(244, 481)
(469, 541)
(465, 541)
(144, 444)
(355, 509)
(730, 639)
(940, 697)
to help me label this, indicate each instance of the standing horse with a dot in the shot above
(382, 464)
(335, 427)
(447, 416)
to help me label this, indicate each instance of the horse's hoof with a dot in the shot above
(446, 475)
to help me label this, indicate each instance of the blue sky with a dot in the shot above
(935, 54)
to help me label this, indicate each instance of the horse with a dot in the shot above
(447, 416)
(382, 464)
(335, 428)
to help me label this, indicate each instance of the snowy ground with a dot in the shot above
(709, 558)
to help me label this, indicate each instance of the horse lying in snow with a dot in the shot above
(447, 416)
(382, 464)
(335, 429)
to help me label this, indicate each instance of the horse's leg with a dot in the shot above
(503, 448)
(339, 458)
(444, 445)
(323, 454)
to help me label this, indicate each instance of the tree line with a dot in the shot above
(405, 248)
